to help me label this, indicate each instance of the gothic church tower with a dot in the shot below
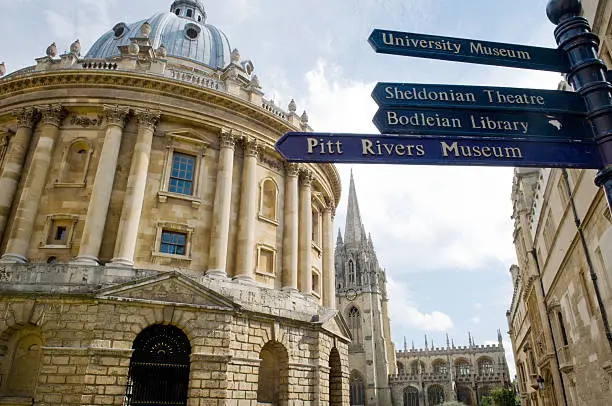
(362, 298)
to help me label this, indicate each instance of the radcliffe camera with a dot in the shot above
(285, 203)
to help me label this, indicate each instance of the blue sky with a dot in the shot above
(444, 234)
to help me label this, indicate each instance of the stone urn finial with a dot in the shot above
(255, 82)
(145, 29)
(52, 50)
(235, 58)
(304, 118)
(161, 51)
(292, 106)
(133, 48)
(2, 69)
(75, 48)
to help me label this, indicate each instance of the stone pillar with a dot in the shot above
(305, 239)
(329, 273)
(15, 157)
(27, 209)
(127, 235)
(245, 269)
(290, 235)
(102, 187)
(217, 260)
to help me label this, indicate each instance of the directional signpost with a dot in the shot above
(424, 124)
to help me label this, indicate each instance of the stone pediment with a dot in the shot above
(335, 324)
(168, 288)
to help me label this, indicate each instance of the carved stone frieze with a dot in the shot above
(26, 117)
(116, 115)
(86, 122)
(147, 118)
(52, 114)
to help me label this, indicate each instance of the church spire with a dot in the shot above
(339, 239)
(354, 227)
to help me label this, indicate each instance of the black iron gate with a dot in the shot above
(159, 368)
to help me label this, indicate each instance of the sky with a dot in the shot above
(443, 234)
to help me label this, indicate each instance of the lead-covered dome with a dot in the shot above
(183, 32)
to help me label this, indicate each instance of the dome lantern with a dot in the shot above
(191, 9)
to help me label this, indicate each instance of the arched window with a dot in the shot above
(440, 367)
(357, 389)
(335, 378)
(24, 353)
(464, 395)
(400, 368)
(485, 366)
(435, 395)
(268, 200)
(463, 367)
(273, 374)
(75, 163)
(411, 396)
(159, 367)
(354, 323)
(352, 276)
(417, 367)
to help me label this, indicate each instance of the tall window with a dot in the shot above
(159, 367)
(351, 273)
(173, 242)
(440, 367)
(400, 368)
(411, 396)
(269, 193)
(354, 323)
(562, 329)
(181, 177)
(463, 368)
(485, 366)
(356, 386)
(435, 394)
(549, 231)
(316, 227)
(417, 367)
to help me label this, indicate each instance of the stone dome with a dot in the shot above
(183, 32)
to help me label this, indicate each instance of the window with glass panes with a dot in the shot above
(173, 242)
(181, 178)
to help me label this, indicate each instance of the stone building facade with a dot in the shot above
(155, 249)
(559, 316)
(380, 375)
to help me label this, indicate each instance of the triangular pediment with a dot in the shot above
(169, 288)
(335, 324)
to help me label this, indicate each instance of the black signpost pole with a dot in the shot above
(588, 77)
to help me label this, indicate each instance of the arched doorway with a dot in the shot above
(335, 378)
(411, 396)
(357, 389)
(549, 389)
(435, 395)
(273, 374)
(464, 395)
(159, 368)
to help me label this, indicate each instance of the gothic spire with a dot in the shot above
(354, 226)
(339, 239)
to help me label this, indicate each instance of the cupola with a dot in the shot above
(191, 9)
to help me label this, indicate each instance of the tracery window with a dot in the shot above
(435, 395)
(411, 396)
(354, 323)
(357, 390)
(352, 277)
(485, 366)
(440, 367)
(463, 368)
(159, 367)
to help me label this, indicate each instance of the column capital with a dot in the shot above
(148, 118)
(329, 207)
(307, 177)
(116, 115)
(292, 169)
(52, 114)
(227, 139)
(26, 117)
(251, 147)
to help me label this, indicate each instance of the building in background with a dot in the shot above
(559, 316)
(155, 249)
(380, 375)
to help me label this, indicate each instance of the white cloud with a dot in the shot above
(475, 320)
(405, 315)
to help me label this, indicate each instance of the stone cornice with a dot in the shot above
(151, 84)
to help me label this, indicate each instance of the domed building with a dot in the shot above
(155, 249)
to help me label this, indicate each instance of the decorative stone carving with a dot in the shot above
(145, 29)
(2, 69)
(133, 48)
(52, 50)
(227, 139)
(307, 177)
(235, 57)
(304, 118)
(254, 84)
(86, 122)
(161, 51)
(116, 115)
(251, 147)
(292, 106)
(292, 169)
(148, 118)
(75, 48)
(52, 114)
(26, 117)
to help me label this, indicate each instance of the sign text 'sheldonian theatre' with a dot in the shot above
(468, 50)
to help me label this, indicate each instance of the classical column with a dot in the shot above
(217, 260)
(290, 235)
(127, 235)
(305, 239)
(248, 212)
(329, 273)
(36, 177)
(14, 159)
(102, 186)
